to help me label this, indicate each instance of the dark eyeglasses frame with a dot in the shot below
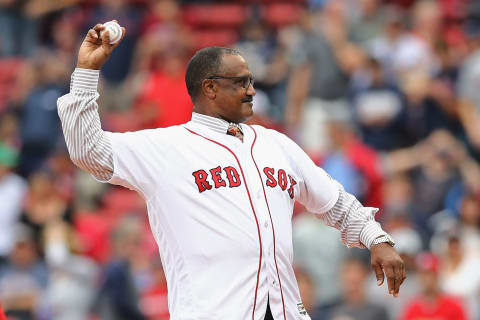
(247, 80)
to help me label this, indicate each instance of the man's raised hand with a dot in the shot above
(95, 50)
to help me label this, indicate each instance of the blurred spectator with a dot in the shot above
(40, 126)
(460, 275)
(43, 203)
(64, 37)
(319, 82)
(319, 252)
(115, 91)
(20, 23)
(12, 193)
(9, 129)
(465, 220)
(18, 29)
(154, 300)
(416, 50)
(119, 297)
(63, 171)
(468, 93)
(432, 303)
(379, 109)
(92, 228)
(398, 195)
(73, 278)
(24, 279)
(429, 107)
(370, 22)
(356, 305)
(383, 47)
(163, 99)
(470, 224)
(435, 165)
(163, 30)
(356, 166)
(266, 57)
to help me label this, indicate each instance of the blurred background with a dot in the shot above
(385, 95)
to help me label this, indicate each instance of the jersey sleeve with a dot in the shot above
(109, 157)
(130, 161)
(318, 192)
(88, 145)
(327, 199)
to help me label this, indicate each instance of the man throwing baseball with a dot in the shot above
(219, 193)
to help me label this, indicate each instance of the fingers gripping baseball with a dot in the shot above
(96, 47)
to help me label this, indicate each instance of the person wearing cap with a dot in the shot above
(432, 303)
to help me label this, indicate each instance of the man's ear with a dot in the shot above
(209, 88)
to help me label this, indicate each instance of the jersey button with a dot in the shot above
(265, 224)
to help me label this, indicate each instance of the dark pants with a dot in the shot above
(268, 315)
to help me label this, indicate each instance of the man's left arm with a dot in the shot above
(359, 229)
(328, 200)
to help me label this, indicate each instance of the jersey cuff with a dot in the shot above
(84, 79)
(370, 232)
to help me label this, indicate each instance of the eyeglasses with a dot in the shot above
(246, 80)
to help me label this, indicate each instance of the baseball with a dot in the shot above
(114, 29)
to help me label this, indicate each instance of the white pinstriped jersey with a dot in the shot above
(220, 209)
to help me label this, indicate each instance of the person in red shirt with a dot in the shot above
(154, 301)
(164, 100)
(432, 302)
(2, 314)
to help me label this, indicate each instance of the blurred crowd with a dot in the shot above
(384, 95)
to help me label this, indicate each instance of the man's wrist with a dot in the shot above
(383, 239)
(371, 231)
(87, 66)
(84, 79)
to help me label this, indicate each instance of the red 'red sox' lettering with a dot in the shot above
(281, 180)
(232, 176)
(201, 180)
(215, 175)
(269, 172)
(217, 178)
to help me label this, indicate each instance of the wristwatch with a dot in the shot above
(385, 238)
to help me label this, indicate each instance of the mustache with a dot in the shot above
(248, 99)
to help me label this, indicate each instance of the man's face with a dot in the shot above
(234, 94)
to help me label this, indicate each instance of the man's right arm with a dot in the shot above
(88, 145)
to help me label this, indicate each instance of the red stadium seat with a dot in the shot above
(9, 71)
(215, 15)
(271, 1)
(222, 38)
(281, 14)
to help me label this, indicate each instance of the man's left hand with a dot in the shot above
(385, 259)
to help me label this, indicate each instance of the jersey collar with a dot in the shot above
(215, 124)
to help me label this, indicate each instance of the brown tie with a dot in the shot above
(235, 130)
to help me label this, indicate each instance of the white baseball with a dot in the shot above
(114, 30)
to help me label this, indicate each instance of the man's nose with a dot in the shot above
(251, 90)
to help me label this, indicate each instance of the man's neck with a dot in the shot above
(213, 114)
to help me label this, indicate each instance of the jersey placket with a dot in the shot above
(253, 178)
